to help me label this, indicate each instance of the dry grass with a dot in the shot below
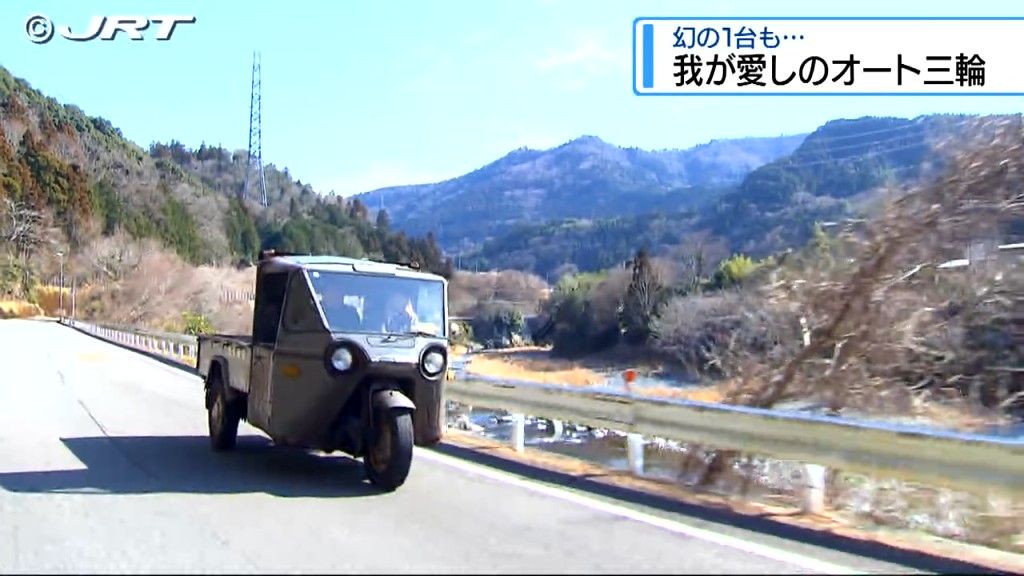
(19, 309)
(535, 364)
(548, 371)
(49, 299)
(701, 394)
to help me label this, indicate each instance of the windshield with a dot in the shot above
(380, 304)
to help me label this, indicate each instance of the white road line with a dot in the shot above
(651, 520)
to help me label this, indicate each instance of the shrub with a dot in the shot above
(733, 271)
(196, 323)
(714, 335)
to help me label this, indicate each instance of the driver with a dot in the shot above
(399, 315)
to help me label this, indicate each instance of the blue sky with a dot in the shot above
(360, 94)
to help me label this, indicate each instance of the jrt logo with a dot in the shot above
(39, 28)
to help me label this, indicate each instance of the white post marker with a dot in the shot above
(814, 490)
(518, 432)
(635, 453)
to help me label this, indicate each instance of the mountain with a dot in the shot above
(837, 171)
(583, 178)
(74, 179)
(840, 170)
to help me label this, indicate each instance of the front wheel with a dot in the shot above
(389, 456)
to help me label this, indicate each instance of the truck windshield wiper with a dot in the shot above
(392, 336)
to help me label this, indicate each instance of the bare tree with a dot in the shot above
(696, 256)
(22, 227)
(888, 329)
(851, 318)
(714, 335)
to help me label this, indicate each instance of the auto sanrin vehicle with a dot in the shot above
(345, 354)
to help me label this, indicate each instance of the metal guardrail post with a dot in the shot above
(814, 490)
(557, 428)
(518, 432)
(635, 453)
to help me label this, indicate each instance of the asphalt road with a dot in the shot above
(105, 467)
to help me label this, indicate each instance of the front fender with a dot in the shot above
(390, 399)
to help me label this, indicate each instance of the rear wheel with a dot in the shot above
(222, 417)
(389, 456)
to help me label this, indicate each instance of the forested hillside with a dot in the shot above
(585, 178)
(839, 171)
(552, 249)
(68, 180)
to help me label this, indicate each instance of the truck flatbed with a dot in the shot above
(231, 353)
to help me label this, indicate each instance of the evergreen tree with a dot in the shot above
(383, 220)
(642, 301)
(357, 210)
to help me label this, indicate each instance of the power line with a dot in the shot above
(897, 130)
(913, 124)
(867, 154)
(870, 149)
(877, 142)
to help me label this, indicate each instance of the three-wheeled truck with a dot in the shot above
(345, 354)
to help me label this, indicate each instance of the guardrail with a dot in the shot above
(237, 296)
(181, 347)
(974, 462)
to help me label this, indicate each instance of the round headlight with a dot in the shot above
(341, 359)
(433, 362)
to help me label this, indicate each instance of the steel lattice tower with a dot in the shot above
(254, 167)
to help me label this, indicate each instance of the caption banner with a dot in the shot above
(827, 56)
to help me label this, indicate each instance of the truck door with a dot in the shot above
(270, 290)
